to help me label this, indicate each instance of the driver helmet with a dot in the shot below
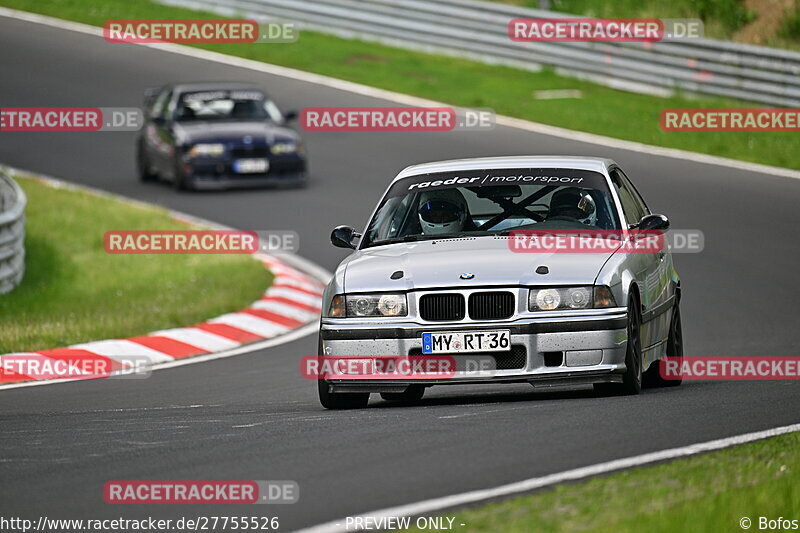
(442, 211)
(571, 202)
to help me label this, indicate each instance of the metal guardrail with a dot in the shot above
(12, 233)
(479, 30)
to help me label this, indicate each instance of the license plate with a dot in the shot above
(250, 166)
(467, 341)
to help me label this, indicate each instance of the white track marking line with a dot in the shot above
(456, 500)
(383, 94)
(198, 338)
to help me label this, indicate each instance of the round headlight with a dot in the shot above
(548, 299)
(364, 306)
(390, 305)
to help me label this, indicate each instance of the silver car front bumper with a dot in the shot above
(557, 350)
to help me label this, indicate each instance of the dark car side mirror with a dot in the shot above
(342, 237)
(290, 116)
(653, 222)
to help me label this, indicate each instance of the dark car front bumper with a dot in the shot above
(219, 174)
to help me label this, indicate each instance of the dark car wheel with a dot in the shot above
(339, 400)
(632, 378)
(413, 393)
(143, 168)
(674, 350)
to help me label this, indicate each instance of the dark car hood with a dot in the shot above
(232, 131)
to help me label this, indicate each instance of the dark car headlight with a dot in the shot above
(583, 297)
(206, 150)
(284, 148)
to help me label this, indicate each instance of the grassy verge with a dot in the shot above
(508, 91)
(706, 493)
(73, 291)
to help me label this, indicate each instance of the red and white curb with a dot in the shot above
(292, 301)
(289, 309)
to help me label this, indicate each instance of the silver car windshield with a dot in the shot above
(492, 202)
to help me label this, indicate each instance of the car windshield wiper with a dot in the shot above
(415, 238)
(394, 240)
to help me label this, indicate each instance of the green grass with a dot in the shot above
(790, 28)
(73, 291)
(704, 494)
(465, 83)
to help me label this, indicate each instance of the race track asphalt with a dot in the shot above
(254, 417)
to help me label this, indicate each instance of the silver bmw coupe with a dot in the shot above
(496, 262)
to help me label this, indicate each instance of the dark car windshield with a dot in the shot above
(491, 202)
(226, 105)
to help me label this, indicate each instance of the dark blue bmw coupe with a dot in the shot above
(218, 135)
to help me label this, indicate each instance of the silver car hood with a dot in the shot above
(440, 264)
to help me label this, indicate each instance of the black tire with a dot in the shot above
(632, 378)
(413, 393)
(339, 400)
(674, 350)
(143, 169)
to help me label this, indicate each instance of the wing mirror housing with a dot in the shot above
(343, 236)
(290, 116)
(653, 222)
